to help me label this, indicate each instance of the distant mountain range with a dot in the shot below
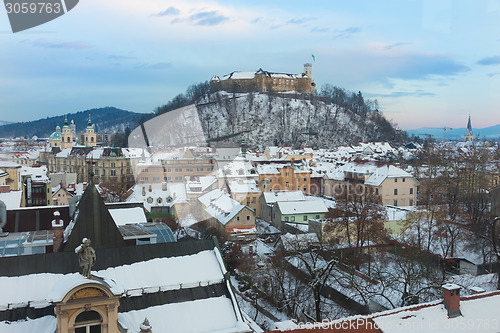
(492, 132)
(106, 120)
(5, 122)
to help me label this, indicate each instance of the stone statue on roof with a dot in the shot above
(86, 257)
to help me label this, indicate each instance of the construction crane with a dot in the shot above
(444, 132)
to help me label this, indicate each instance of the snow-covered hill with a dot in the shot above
(265, 119)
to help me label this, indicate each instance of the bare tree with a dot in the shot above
(358, 219)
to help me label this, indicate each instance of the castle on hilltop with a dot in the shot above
(264, 81)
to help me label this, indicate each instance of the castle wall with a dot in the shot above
(264, 83)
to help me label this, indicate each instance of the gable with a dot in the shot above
(93, 221)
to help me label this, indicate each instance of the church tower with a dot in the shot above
(55, 138)
(90, 137)
(66, 136)
(72, 127)
(469, 136)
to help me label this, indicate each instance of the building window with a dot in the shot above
(395, 180)
(305, 218)
(395, 203)
(317, 217)
(411, 202)
(248, 217)
(404, 180)
(292, 219)
(237, 218)
(178, 178)
(88, 322)
(286, 185)
(411, 190)
(395, 191)
(305, 188)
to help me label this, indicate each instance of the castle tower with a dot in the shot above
(469, 136)
(90, 138)
(66, 136)
(308, 70)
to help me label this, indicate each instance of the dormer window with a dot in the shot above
(88, 322)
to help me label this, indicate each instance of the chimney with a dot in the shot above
(58, 227)
(150, 188)
(451, 293)
(143, 191)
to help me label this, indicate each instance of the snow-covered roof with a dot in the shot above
(268, 169)
(157, 194)
(272, 197)
(47, 324)
(434, 318)
(239, 75)
(220, 205)
(129, 215)
(12, 199)
(237, 168)
(199, 184)
(250, 75)
(243, 186)
(8, 164)
(214, 315)
(38, 174)
(135, 152)
(95, 153)
(302, 207)
(298, 242)
(64, 153)
(203, 268)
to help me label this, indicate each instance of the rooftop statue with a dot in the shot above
(86, 257)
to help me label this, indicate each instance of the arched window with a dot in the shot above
(67, 139)
(88, 322)
(92, 139)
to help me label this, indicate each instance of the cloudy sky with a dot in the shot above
(429, 63)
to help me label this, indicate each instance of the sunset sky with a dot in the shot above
(429, 63)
